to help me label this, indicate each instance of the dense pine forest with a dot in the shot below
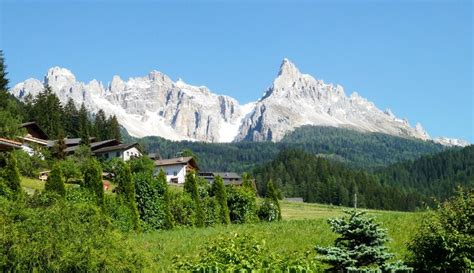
(357, 149)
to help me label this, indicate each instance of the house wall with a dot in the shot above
(173, 171)
(124, 155)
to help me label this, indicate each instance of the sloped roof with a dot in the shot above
(34, 130)
(8, 144)
(177, 161)
(120, 147)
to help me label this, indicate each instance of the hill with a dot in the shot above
(367, 150)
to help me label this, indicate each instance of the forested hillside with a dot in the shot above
(318, 180)
(434, 175)
(366, 150)
(402, 186)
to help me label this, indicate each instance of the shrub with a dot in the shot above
(29, 165)
(243, 253)
(151, 206)
(163, 189)
(272, 194)
(142, 164)
(70, 169)
(126, 190)
(120, 213)
(218, 190)
(55, 182)
(191, 187)
(11, 175)
(360, 245)
(211, 211)
(182, 207)
(242, 205)
(445, 241)
(268, 211)
(62, 237)
(93, 180)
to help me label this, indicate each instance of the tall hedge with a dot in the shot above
(93, 180)
(55, 182)
(11, 175)
(272, 194)
(163, 189)
(190, 186)
(126, 190)
(218, 191)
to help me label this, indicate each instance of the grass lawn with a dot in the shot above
(304, 226)
(31, 185)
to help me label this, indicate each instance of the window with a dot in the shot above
(117, 154)
(175, 173)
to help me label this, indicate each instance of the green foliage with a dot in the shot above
(189, 152)
(218, 190)
(70, 169)
(55, 182)
(163, 189)
(81, 156)
(361, 243)
(183, 208)
(142, 164)
(191, 187)
(243, 253)
(30, 165)
(445, 241)
(318, 180)
(268, 210)
(242, 205)
(123, 217)
(126, 189)
(434, 175)
(151, 205)
(47, 111)
(272, 194)
(93, 180)
(62, 237)
(11, 175)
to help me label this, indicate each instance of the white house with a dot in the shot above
(176, 168)
(122, 151)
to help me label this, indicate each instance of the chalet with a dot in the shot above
(229, 178)
(35, 136)
(7, 145)
(94, 145)
(176, 168)
(122, 151)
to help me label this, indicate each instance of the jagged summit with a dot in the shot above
(156, 105)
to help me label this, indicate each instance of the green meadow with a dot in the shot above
(304, 227)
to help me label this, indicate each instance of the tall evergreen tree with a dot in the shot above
(48, 112)
(163, 189)
(10, 116)
(100, 124)
(272, 194)
(71, 119)
(113, 128)
(3, 82)
(93, 180)
(218, 191)
(55, 182)
(84, 125)
(60, 147)
(126, 189)
(190, 186)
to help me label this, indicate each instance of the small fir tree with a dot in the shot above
(218, 191)
(361, 242)
(126, 189)
(60, 147)
(272, 194)
(55, 182)
(93, 180)
(190, 186)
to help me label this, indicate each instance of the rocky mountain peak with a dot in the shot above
(59, 76)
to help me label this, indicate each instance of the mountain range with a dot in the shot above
(155, 105)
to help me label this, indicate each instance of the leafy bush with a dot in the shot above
(182, 207)
(126, 191)
(120, 213)
(242, 205)
(70, 169)
(445, 241)
(243, 253)
(93, 180)
(268, 211)
(191, 187)
(211, 211)
(62, 237)
(218, 190)
(29, 165)
(11, 175)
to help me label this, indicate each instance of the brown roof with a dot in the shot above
(119, 147)
(8, 144)
(34, 130)
(177, 161)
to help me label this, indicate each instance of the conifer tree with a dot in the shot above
(48, 112)
(100, 125)
(218, 191)
(70, 120)
(3, 82)
(59, 147)
(12, 175)
(272, 194)
(84, 125)
(113, 128)
(190, 186)
(55, 182)
(247, 182)
(163, 189)
(93, 180)
(126, 189)
(361, 242)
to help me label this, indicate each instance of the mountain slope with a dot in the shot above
(155, 105)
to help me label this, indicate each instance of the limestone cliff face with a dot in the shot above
(157, 105)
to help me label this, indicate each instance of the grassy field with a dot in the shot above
(304, 226)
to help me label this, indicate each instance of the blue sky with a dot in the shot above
(414, 57)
